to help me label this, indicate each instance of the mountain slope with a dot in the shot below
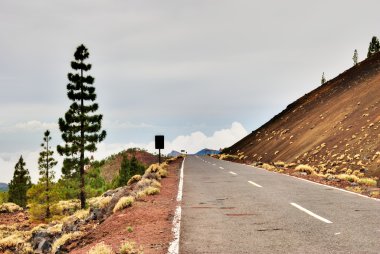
(336, 126)
(206, 151)
(3, 187)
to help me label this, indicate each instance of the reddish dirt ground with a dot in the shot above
(150, 219)
(18, 219)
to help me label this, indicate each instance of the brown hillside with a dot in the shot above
(336, 126)
(111, 167)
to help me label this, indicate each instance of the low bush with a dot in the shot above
(9, 208)
(163, 173)
(64, 239)
(123, 203)
(65, 207)
(130, 248)
(279, 164)
(134, 179)
(101, 248)
(140, 195)
(367, 181)
(268, 167)
(347, 177)
(305, 168)
(151, 191)
(16, 243)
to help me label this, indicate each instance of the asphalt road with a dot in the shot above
(233, 208)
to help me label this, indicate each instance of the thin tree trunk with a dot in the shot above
(47, 180)
(81, 163)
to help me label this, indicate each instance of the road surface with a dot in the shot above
(233, 208)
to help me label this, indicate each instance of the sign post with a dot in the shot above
(159, 143)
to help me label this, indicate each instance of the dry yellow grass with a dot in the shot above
(123, 202)
(130, 248)
(101, 248)
(305, 168)
(16, 242)
(9, 208)
(134, 179)
(151, 191)
(65, 238)
(367, 181)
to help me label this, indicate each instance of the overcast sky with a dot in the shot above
(202, 72)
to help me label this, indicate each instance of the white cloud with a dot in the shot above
(9, 160)
(35, 125)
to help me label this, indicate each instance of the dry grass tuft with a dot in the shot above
(9, 208)
(64, 239)
(151, 191)
(130, 248)
(134, 179)
(101, 248)
(305, 168)
(367, 181)
(123, 202)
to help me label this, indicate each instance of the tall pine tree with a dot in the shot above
(374, 46)
(81, 127)
(20, 184)
(46, 162)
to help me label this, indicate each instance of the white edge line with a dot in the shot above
(325, 185)
(174, 245)
(221, 167)
(310, 213)
(255, 184)
(232, 173)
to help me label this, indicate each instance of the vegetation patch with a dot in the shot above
(130, 248)
(9, 208)
(123, 202)
(101, 248)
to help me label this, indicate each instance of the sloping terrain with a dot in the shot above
(207, 151)
(336, 126)
(111, 166)
(3, 187)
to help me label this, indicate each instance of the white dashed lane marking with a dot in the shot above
(255, 184)
(310, 213)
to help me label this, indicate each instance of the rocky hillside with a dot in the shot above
(336, 126)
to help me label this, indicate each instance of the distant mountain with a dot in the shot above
(3, 187)
(174, 153)
(207, 151)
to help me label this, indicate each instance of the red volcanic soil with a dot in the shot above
(150, 219)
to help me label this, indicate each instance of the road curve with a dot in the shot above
(233, 208)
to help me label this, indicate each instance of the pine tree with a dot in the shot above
(355, 58)
(45, 163)
(124, 172)
(81, 127)
(323, 80)
(374, 46)
(136, 167)
(20, 184)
